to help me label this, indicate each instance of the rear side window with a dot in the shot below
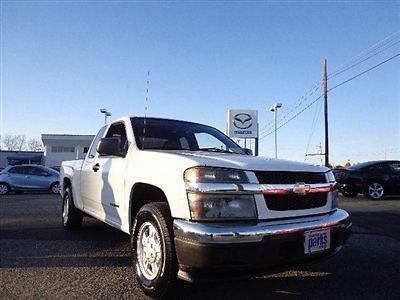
(93, 146)
(16, 170)
(36, 171)
(395, 167)
(377, 167)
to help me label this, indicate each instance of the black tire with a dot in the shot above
(374, 190)
(71, 216)
(158, 215)
(55, 188)
(4, 188)
(349, 194)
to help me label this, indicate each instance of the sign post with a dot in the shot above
(243, 124)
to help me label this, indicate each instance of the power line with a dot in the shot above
(295, 116)
(353, 62)
(366, 52)
(300, 101)
(361, 61)
(366, 71)
(336, 86)
(313, 126)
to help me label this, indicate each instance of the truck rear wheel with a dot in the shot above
(153, 249)
(71, 216)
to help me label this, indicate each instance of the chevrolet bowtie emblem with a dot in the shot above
(301, 188)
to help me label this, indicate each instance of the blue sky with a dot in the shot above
(63, 61)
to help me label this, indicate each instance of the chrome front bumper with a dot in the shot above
(222, 233)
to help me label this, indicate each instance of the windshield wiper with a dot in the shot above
(215, 149)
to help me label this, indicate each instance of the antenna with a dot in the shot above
(145, 107)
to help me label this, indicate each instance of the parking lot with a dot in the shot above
(38, 259)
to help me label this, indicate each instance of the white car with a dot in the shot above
(199, 206)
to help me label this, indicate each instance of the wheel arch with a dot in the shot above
(375, 179)
(141, 194)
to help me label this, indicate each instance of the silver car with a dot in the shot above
(29, 178)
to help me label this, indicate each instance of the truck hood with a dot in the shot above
(245, 162)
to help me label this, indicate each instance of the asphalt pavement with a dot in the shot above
(39, 259)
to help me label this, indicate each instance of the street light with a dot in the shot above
(274, 109)
(106, 114)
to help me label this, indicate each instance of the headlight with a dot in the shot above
(214, 175)
(222, 207)
(330, 177)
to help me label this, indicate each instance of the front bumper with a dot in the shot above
(204, 249)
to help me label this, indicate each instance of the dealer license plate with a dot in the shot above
(317, 240)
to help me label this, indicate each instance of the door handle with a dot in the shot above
(96, 167)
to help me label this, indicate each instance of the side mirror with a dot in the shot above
(248, 151)
(110, 146)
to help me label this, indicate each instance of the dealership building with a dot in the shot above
(57, 148)
(60, 147)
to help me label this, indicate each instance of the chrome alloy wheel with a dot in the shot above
(149, 250)
(65, 209)
(3, 188)
(55, 188)
(375, 190)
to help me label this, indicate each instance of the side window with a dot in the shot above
(377, 168)
(118, 130)
(16, 170)
(93, 146)
(395, 167)
(38, 171)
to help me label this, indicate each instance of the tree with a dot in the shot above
(14, 142)
(20, 141)
(35, 145)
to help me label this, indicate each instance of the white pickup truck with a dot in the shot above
(198, 206)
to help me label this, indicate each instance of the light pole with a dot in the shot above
(274, 109)
(106, 114)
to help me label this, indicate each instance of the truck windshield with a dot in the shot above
(179, 135)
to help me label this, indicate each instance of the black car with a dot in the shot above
(375, 179)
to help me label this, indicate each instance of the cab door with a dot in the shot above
(37, 178)
(91, 180)
(113, 170)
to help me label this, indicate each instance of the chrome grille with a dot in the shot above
(292, 201)
(283, 177)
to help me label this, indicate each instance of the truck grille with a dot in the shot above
(292, 201)
(280, 177)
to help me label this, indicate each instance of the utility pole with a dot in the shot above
(256, 142)
(274, 109)
(320, 153)
(325, 79)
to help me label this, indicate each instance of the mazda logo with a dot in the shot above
(301, 188)
(242, 121)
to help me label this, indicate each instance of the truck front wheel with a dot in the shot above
(153, 249)
(71, 216)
